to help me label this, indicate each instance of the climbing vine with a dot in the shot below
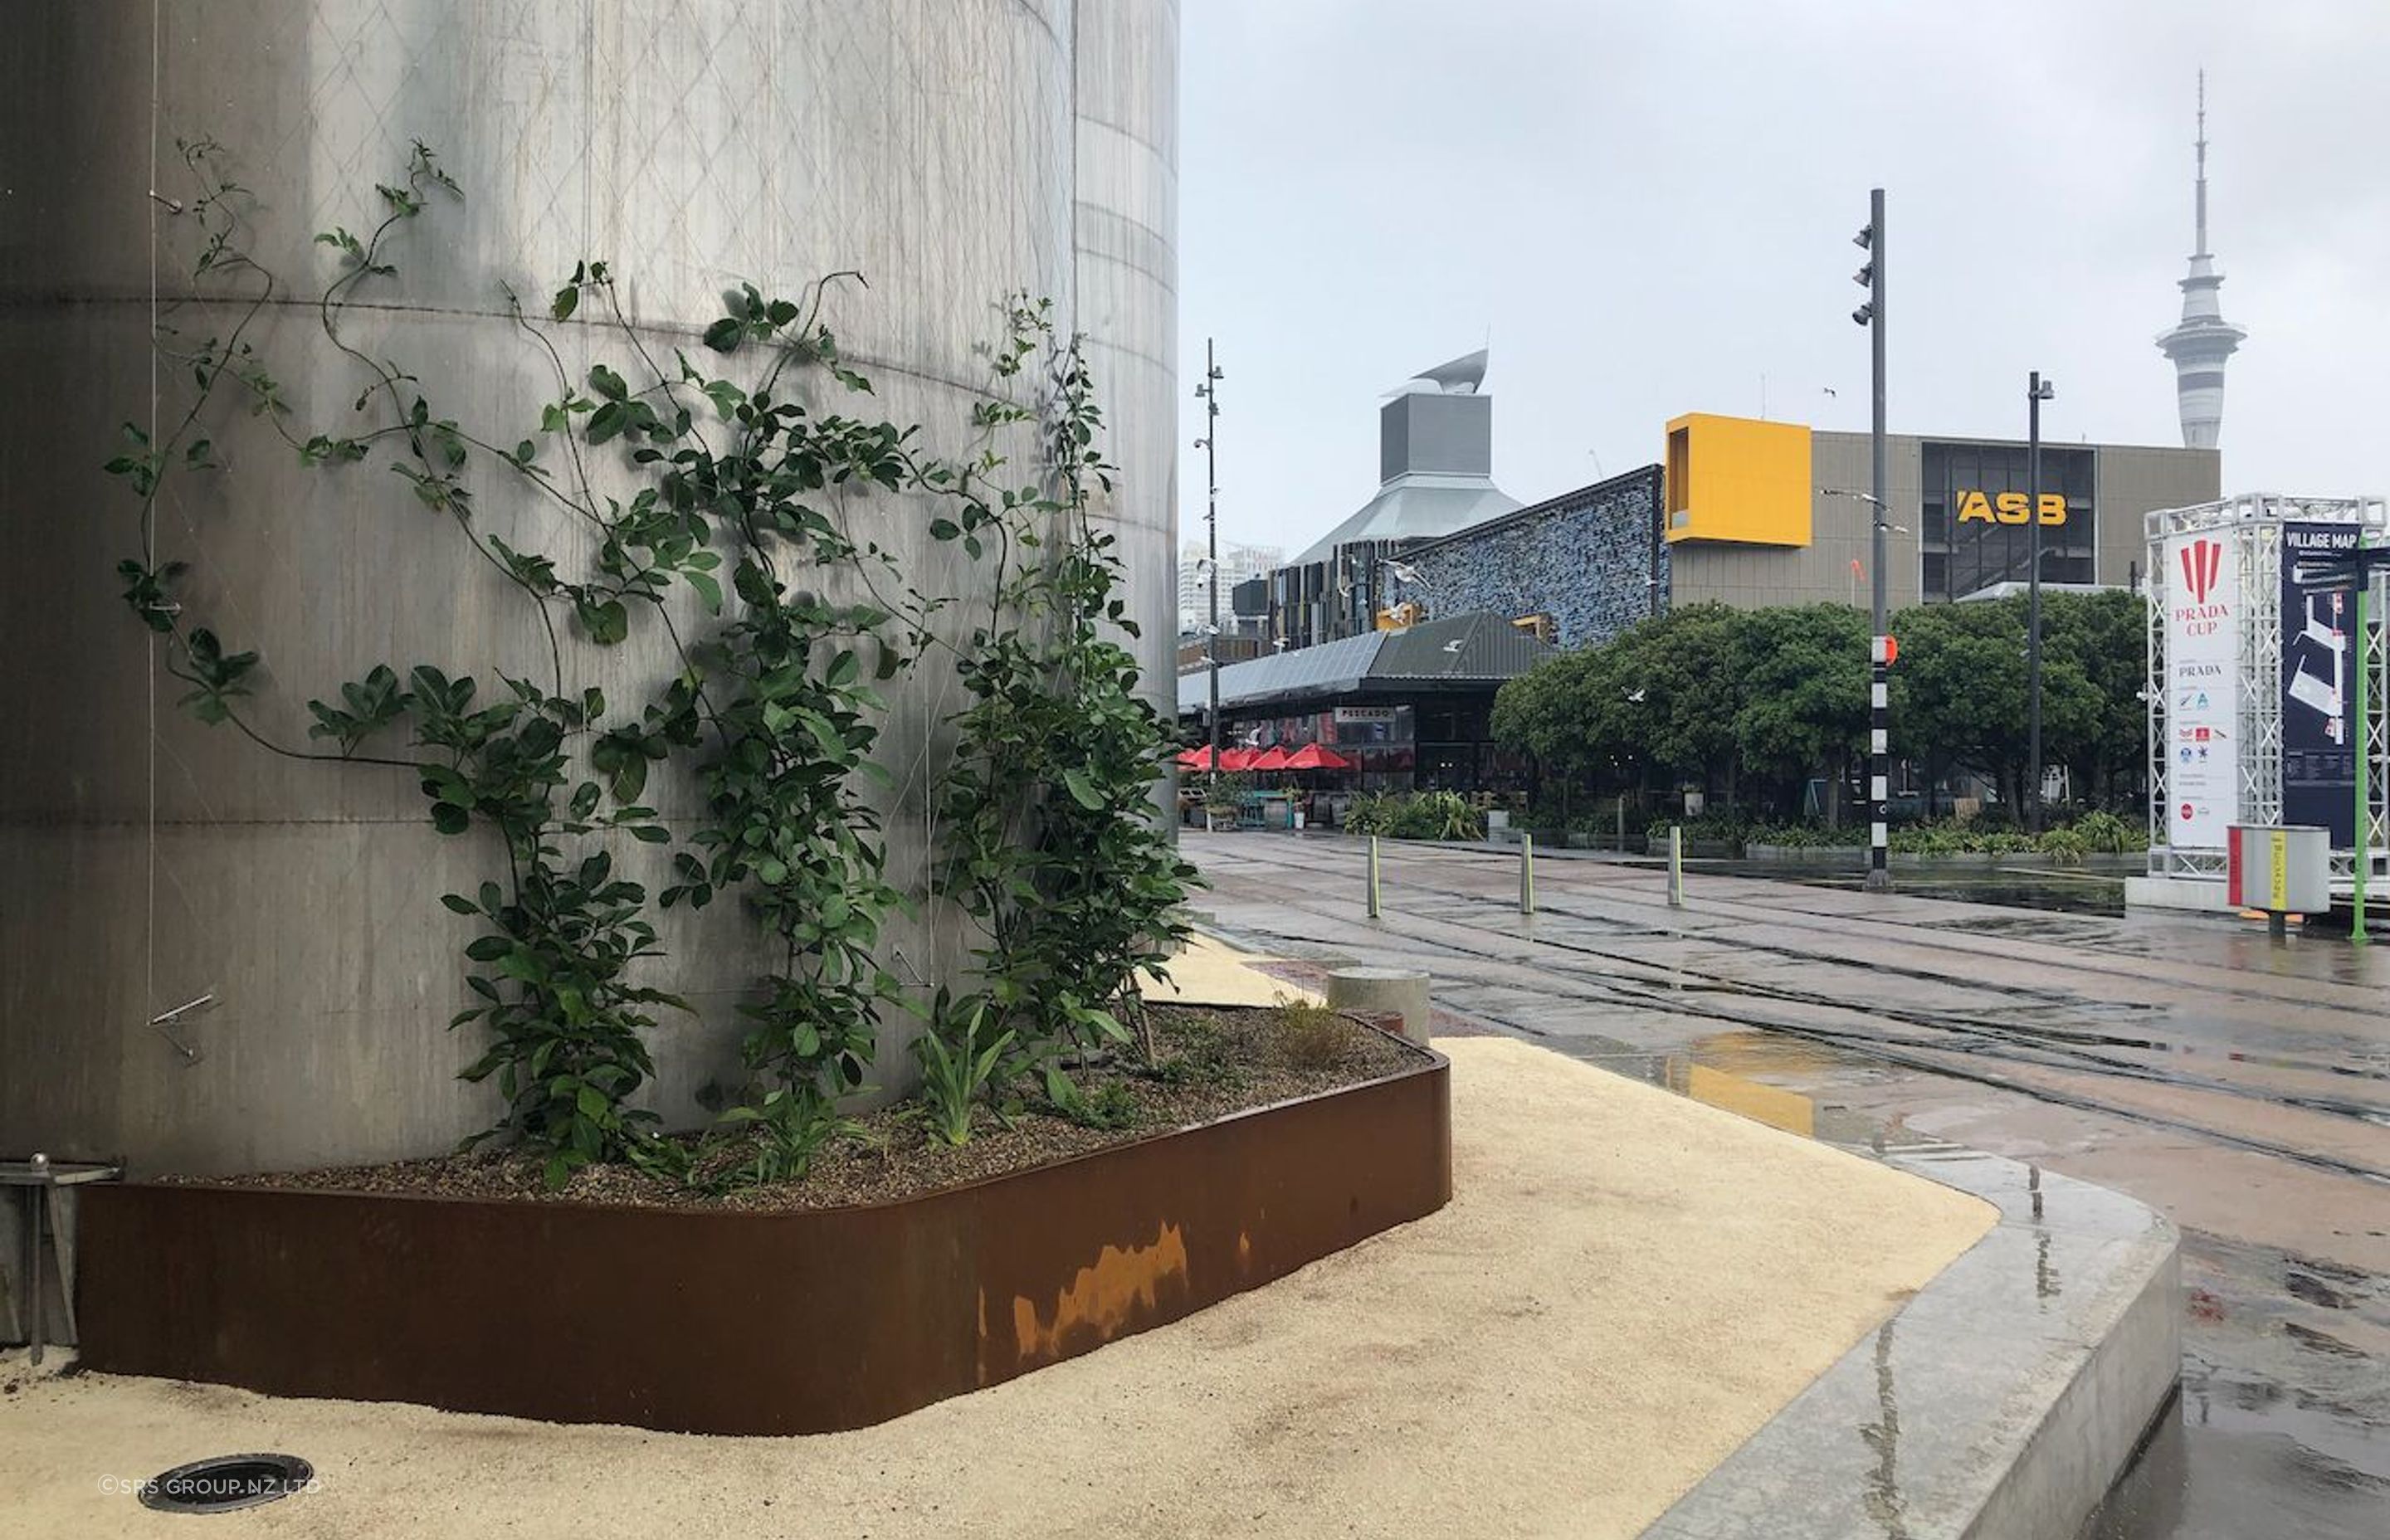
(1051, 843)
(676, 476)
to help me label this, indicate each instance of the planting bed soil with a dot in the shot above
(1211, 1061)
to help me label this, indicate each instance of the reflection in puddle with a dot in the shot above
(1789, 1111)
(1884, 1500)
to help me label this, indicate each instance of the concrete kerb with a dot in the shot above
(2004, 1399)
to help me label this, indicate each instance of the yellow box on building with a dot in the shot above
(1738, 480)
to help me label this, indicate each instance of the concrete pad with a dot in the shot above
(2200, 894)
(1626, 1288)
(1211, 972)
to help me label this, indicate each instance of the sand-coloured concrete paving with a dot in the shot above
(1625, 1286)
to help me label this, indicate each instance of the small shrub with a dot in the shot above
(1370, 813)
(2105, 832)
(1204, 1056)
(1427, 815)
(958, 1056)
(1110, 1105)
(2068, 845)
(1313, 1037)
(1807, 836)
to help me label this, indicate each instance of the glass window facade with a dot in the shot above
(1976, 525)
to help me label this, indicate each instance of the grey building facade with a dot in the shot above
(1946, 544)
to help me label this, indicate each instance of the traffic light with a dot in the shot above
(1865, 277)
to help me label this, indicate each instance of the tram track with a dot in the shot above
(2049, 998)
(1957, 1045)
(1926, 936)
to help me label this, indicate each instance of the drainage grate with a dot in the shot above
(225, 1483)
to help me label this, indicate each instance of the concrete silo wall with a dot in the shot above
(147, 859)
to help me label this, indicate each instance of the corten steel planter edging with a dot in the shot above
(718, 1321)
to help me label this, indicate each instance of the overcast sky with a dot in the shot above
(1650, 206)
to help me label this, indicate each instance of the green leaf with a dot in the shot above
(448, 818)
(826, 733)
(1081, 790)
(707, 588)
(460, 904)
(606, 383)
(724, 335)
(567, 301)
(608, 623)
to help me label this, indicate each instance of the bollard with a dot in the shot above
(1675, 867)
(1376, 908)
(1526, 874)
(1401, 993)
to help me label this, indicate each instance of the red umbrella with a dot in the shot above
(1236, 759)
(1271, 758)
(1311, 756)
(1197, 758)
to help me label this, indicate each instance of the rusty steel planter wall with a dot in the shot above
(714, 1321)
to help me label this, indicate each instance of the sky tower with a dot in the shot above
(2203, 338)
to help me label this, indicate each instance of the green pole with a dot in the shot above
(2364, 682)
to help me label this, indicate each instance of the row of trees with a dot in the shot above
(1768, 699)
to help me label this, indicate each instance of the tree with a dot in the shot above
(1960, 689)
(1803, 694)
(1687, 668)
(1659, 696)
(2103, 638)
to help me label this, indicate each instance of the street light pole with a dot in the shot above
(1210, 392)
(1870, 315)
(2038, 391)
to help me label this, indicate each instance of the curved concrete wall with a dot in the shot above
(147, 859)
(1125, 229)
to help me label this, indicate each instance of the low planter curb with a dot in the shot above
(2003, 1399)
(723, 1321)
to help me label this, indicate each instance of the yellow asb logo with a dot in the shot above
(2010, 508)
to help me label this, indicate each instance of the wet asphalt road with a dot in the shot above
(2241, 1086)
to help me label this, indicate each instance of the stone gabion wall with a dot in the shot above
(1584, 559)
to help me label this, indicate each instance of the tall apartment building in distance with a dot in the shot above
(1239, 563)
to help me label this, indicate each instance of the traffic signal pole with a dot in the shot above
(1879, 877)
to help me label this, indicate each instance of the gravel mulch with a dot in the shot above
(1216, 1060)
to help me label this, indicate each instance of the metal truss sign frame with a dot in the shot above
(2250, 529)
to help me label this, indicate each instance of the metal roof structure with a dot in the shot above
(1417, 507)
(1465, 652)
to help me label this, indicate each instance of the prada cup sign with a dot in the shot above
(2203, 617)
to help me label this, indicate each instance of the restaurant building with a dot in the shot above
(1409, 709)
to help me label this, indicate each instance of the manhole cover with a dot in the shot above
(225, 1483)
